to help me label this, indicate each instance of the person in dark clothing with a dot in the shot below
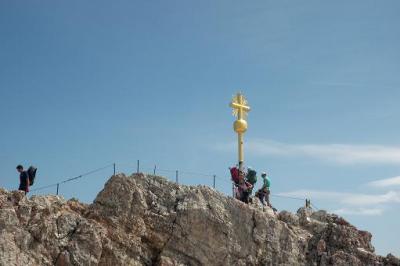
(23, 179)
(245, 190)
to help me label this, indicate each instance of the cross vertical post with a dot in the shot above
(240, 110)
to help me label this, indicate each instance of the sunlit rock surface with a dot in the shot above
(147, 220)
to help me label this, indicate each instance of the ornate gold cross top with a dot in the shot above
(239, 105)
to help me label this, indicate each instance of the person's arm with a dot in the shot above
(249, 185)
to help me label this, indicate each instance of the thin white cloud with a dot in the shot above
(359, 211)
(371, 199)
(347, 203)
(347, 199)
(338, 153)
(387, 182)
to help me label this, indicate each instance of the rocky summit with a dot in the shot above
(147, 220)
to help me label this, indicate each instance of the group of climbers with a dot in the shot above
(244, 182)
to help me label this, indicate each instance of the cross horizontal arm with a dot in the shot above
(240, 106)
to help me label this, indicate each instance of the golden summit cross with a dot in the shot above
(240, 110)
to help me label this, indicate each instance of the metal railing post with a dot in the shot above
(58, 185)
(214, 181)
(114, 168)
(154, 171)
(137, 170)
(176, 176)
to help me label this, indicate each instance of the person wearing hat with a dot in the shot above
(263, 193)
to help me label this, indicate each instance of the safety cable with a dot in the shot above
(312, 205)
(72, 178)
(288, 197)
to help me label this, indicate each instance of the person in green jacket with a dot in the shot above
(263, 193)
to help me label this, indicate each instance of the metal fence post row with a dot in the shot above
(169, 173)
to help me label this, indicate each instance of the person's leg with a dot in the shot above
(246, 197)
(259, 195)
(263, 199)
(241, 195)
(237, 193)
(267, 198)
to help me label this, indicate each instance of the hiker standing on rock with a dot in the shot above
(263, 193)
(23, 179)
(245, 189)
(238, 179)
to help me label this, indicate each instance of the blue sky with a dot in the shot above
(88, 83)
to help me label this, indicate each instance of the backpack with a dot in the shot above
(31, 174)
(252, 176)
(235, 174)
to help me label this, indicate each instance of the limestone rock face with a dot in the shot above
(147, 220)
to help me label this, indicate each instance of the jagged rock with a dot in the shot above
(304, 214)
(146, 220)
(289, 218)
